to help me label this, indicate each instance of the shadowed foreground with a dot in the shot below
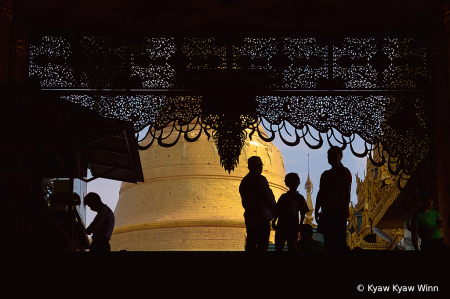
(125, 274)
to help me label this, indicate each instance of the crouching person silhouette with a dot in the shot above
(102, 226)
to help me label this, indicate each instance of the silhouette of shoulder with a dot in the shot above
(334, 174)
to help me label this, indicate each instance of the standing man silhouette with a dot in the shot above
(258, 201)
(102, 226)
(334, 199)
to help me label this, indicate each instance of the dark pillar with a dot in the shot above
(18, 54)
(440, 119)
(5, 33)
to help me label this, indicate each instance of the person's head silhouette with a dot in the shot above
(255, 164)
(292, 181)
(426, 200)
(335, 156)
(93, 201)
(307, 232)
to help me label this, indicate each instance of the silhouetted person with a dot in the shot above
(426, 224)
(102, 226)
(47, 235)
(258, 201)
(286, 210)
(333, 199)
(307, 242)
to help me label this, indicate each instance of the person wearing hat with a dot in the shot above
(426, 224)
(258, 201)
(102, 226)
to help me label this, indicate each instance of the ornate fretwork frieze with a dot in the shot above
(297, 87)
(275, 63)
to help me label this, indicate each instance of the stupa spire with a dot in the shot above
(309, 187)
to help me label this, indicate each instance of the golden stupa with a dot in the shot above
(309, 218)
(188, 201)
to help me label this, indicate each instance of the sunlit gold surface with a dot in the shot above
(188, 201)
(374, 198)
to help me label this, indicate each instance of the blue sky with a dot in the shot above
(295, 160)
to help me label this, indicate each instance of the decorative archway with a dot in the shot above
(374, 87)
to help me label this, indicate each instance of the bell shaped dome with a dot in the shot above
(188, 201)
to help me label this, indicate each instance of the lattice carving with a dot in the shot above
(373, 87)
(284, 62)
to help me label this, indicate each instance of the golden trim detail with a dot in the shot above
(383, 206)
(179, 223)
(199, 176)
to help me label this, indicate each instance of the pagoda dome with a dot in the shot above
(187, 200)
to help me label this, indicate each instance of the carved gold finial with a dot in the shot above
(308, 184)
(309, 187)
(6, 10)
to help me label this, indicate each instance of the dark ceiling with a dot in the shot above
(229, 17)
